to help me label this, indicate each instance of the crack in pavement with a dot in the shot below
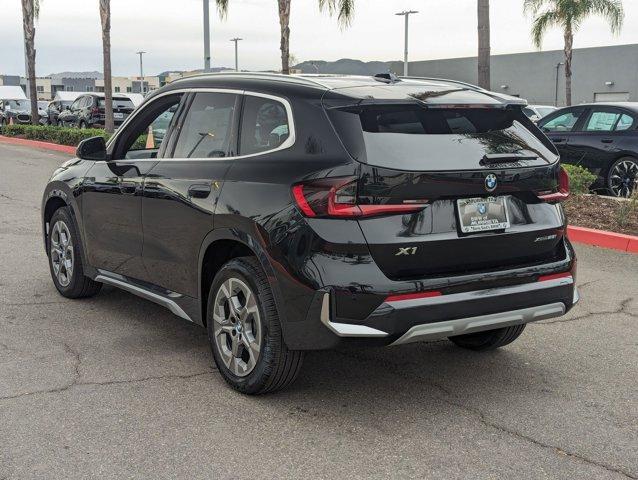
(398, 369)
(621, 309)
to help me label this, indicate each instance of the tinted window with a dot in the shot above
(119, 103)
(625, 122)
(529, 112)
(264, 125)
(562, 123)
(600, 121)
(207, 127)
(77, 103)
(414, 138)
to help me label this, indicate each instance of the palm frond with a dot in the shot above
(344, 9)
(533, 6)
(542, 23)
(222, 8)
(610, 10)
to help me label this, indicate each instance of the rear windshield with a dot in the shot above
(410, 137)
(119, 103)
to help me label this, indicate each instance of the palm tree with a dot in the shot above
(284, 43)
(569, 15)
(30, 12)
(105, 18)
(484, 43)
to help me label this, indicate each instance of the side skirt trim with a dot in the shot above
(144, 293)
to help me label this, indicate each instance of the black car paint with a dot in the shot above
(595, 150)
(250, 205)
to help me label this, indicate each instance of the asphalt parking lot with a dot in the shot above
(117, 387)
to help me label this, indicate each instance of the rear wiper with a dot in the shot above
(494, 158)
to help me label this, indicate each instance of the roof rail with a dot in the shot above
(264, 75)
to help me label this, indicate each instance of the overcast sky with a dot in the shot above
(68, 33)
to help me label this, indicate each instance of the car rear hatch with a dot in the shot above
(469, 182)
(122, 108)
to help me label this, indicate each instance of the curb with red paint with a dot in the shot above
(588, 236)
(604, 239)
(38, 144)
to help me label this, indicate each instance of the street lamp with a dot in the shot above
(406, 14)
(236, 40)
(140, 53)
(556, 91)
(206, 37)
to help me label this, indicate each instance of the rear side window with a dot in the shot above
(207, 128)
(625, 122)
(601, 121)
(264, 125)
(410, 137)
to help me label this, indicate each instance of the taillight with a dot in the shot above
(95, 111)
(563, 189)
(337, 198)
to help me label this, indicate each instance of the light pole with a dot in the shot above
(236, 40)
(556, 91)
(140, 53)
(206, 37)
(406, 14)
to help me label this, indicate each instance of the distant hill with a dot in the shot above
(96, 75)
(346, 66)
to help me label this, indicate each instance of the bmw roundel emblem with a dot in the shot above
(490, 182)
(482, 208)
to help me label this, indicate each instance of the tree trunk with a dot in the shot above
(28, 26)
(105, 17)
(569, 43)
(484, 43)
(284, 22)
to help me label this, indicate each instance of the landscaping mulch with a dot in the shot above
(592, 211)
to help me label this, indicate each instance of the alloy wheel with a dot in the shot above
(237, 326)
(62, 254)
(623, 178)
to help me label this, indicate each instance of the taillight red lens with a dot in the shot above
(337, 198)
(95, 111)
(563, 189)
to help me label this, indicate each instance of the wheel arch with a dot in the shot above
(222, 245)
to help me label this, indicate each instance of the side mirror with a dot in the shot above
(93, 148)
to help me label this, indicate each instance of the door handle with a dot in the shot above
(128, 188)
(201, 190)
(607, 140)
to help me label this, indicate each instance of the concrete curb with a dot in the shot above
(38, 144)
(588, 236)
(601, 238)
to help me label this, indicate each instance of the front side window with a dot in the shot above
(264, 125)
(601, 121)
(564, 122)
(206, 131)
(145, 135)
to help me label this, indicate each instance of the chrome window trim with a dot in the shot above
(288, 143)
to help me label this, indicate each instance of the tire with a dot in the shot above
(488, 340)
(273, 367)
(622, 177)
(73, 283)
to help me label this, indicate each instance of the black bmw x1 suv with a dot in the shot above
(293, 213)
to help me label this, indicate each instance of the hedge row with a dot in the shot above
(59, 135)
(580, 179)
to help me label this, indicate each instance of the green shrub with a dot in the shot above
(61, 135)
(580, 179)
(46, 133)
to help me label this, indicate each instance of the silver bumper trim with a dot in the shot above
(461, 326)
(346, 329)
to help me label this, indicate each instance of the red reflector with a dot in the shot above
(413, 296)
(554, 276)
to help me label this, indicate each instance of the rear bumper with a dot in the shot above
(432, 318)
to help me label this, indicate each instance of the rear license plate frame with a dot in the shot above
(494, 218)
